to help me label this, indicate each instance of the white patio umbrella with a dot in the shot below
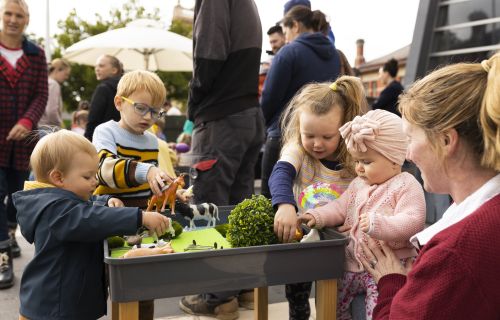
(142, 44)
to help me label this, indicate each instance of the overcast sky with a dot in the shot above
(385, 25)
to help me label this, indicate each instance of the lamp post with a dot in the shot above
(48, 53)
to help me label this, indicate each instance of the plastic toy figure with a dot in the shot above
(168, 196)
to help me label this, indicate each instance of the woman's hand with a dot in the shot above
(115, 202)
(285, 222)
(379, 260)
(156, 179)
(18, 132)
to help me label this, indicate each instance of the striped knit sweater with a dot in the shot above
(124, 161)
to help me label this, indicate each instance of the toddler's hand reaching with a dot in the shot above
(308, 219)
(115, 202)
(364, 222)
(156, 179)
(285, 222)
(344, 229)
(155, 222)
(184, 195)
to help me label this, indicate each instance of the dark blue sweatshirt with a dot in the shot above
(65, 278)
(311, 57)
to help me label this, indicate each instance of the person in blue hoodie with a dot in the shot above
(309, 56)
(57, 212)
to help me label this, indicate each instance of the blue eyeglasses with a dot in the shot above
(143, 109)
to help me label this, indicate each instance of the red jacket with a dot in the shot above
(456, 275)
(23, 96)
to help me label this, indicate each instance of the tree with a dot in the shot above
(82, 81)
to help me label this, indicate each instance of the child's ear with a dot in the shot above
(118, 103)
(56, 178)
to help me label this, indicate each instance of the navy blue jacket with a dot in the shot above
(311, 57)
(65, 279)
(388, 99)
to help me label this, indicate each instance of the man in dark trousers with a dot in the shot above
(228, 122)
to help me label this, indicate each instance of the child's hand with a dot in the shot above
(156, 179)
(344, 229)
(364, 222)
(285, 222)
(155, 222)
(308, 219)
(115, 202)
(183, 195)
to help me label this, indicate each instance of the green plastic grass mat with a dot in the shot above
(203, 237)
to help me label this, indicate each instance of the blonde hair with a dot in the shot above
(20, 3)
(79, 116)
(462, 96)
(320, 99)
(56, 151)
(59, 64)
(143, 80)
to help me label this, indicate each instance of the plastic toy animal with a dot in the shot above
(168, 196)
(203, 211)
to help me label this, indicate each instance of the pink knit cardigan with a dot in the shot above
(396, 209)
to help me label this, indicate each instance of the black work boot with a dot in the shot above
(16, 250)
(6, 268)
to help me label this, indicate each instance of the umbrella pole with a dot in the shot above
(146, 60)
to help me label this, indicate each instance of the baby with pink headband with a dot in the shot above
(382, 202)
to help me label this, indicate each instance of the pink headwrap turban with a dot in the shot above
(379, 130)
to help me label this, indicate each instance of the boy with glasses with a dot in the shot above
(128, 153)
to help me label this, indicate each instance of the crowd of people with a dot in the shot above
(308, 113)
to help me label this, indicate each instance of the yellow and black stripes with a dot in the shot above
(124, 160)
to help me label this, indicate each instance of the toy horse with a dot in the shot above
(168, 196)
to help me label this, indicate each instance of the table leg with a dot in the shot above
(114, 311)
(326, 296)
(128, 310)
(260, 303)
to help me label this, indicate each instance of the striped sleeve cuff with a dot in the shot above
(141, 172)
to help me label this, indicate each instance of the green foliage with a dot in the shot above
(82, 81)
(115, 242)
(177, 228)
(222, 229)
(251, 223)
(182, 27)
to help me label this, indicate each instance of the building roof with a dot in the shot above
(401, 55)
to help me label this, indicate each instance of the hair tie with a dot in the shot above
(486, 66)
(333, 86)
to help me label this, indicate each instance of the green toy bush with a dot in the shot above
(177, 228)
(251, 223)
(115, 242)
(222, 228)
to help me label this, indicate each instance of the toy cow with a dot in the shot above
(168, 196)
(203, 211)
